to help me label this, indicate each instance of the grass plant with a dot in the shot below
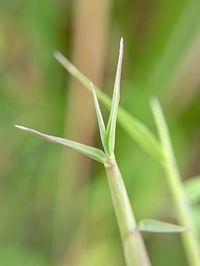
(135, 252)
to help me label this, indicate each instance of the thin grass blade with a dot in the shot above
(91, 152)
(162, 128)
(99, 118)
(111, 126)
(155, 226)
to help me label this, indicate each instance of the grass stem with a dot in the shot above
(134, 249)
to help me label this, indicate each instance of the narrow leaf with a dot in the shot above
(137, 130)
(111, 126)
(192, 189)
(91, 152)
(99, 118)
(162, 129)
(155, 226)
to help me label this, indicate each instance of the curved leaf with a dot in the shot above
(91, 152)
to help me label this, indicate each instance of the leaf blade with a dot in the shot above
(155, 226)
(162, 129)
(111, 126)
(99, 117)
(91, 152)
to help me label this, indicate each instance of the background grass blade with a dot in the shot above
(183, 211)
(91, 152)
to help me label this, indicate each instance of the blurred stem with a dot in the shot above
(133, 245)
(190, 239)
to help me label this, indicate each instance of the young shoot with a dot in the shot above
(133, 245)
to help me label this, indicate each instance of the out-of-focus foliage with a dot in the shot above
(160, 45)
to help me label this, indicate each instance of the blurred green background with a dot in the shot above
(55, 205)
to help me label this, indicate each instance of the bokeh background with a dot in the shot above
(55, 206)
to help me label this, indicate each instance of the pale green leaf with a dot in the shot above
(99, 118)
(137, 130)
(111, 126)
(192, 189)
(162, 129)
(91, 152)
(155, 226)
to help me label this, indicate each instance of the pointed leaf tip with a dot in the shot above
(62, 60)
(55, 53)
(91, 152)
(121, 44)
(21, 127)
(154, 102)
(58, 56)
(155, 226)
(92, 87)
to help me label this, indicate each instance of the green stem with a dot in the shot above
(134, 249)
(190, 240)
(183, 210)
